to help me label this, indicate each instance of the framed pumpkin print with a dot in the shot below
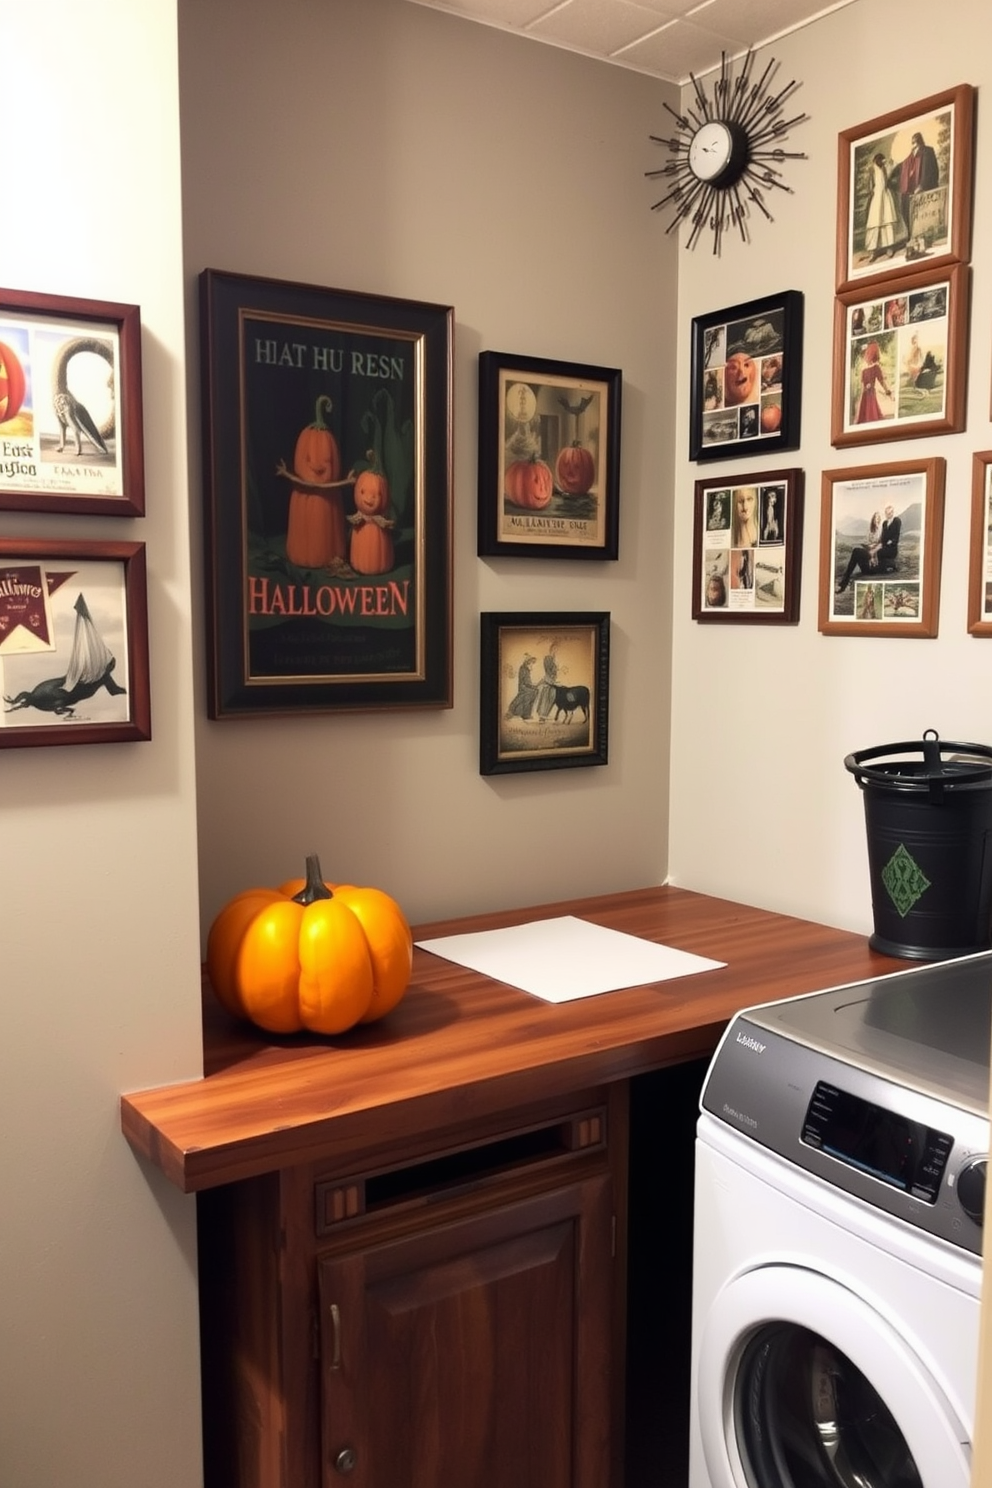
(73, 643)
(904, 189)
(70, 406)
(980, 573)
(549, 458)
(881, 528)
(544, 695)
(900, 358)
(746, 378)
(327, 473)
(747, 549)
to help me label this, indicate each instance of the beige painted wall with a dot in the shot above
(99, 1363)
(375, 145)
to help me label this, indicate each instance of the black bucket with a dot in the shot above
(929, 823)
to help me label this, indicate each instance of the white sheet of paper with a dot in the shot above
(566, 958)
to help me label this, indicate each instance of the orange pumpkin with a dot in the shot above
(576, 469)
(12, 384)
(315, 530)
(529, 483)
(372, 549)
(372, 492)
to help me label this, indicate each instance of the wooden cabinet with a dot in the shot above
(453, 1318)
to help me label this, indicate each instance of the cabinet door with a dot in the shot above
(474, 1354)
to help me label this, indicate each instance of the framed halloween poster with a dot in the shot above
(327, 455)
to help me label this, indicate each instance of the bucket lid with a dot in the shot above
(969, 764)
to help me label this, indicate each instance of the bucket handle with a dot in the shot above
(932, 751)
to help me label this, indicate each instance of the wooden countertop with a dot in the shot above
(462, 1047)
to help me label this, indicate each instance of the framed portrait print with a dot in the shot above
(746, 378)
(549, 458)
(327, 452)
(980, 573)
(70, 406)
(900, 358)
(904, 189)
(544, 696)
(881, 528)
(747, 549)
(73, 643)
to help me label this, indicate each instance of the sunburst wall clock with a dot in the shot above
(727, 153)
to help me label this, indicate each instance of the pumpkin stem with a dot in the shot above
(318, 418)
(315, 887)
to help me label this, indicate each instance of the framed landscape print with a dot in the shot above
(881, 528)
(327, 450)
(904, 189)
(980, 575)
(544, 695)
(746, 378)
(900, 358)
(70, 406)
(747, 549)
(73, 643)
(549, 458)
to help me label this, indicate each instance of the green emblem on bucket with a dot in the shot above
(904, 879)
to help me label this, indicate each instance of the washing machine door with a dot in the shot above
(801, 1384)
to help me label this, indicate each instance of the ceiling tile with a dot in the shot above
(598, 26)
(678, 50)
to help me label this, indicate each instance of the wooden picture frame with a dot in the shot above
(746, 378)
(980, 567)
(900, 358)
(73, 643)
(549, 458)
(904, 189)
(747, 549)
(70, 406)
(328, 491)
(544, 692)
(882, 577)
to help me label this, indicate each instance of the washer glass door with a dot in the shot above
(806, 1417)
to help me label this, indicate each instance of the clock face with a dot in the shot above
(710, 150)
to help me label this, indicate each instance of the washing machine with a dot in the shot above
(841, 1157)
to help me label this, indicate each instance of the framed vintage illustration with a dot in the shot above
(980, 573)
(327, 451)
(747, 549)
(549, 458)
(70, 406)
(900, 358)
(73, 643)
(544, 698)
(904, 189)
(746, 378)
(881, 528)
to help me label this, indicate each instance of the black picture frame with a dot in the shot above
(74, 653)
(328, 585)
(746, 378)
(747, 548)
(559, 720)
(549, 458)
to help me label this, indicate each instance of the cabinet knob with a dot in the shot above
(346, 1460)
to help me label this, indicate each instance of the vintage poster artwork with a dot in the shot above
(63, 644)
(332, 493)
(879, 543)
(980, 576)
(902, 202)
(897, 357)
(547, 691)
(986, 542)
(743, 570)
(742, 368)
(60, 430)
(552, 440)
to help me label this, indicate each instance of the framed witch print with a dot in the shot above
(544, 695)
(73, 643)
(746, 378)
(881, 528)
(747, 549)
(900, 358)
(904, 189)
(70, 406)
(549, 458)
(327, 449)
(980, 575)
